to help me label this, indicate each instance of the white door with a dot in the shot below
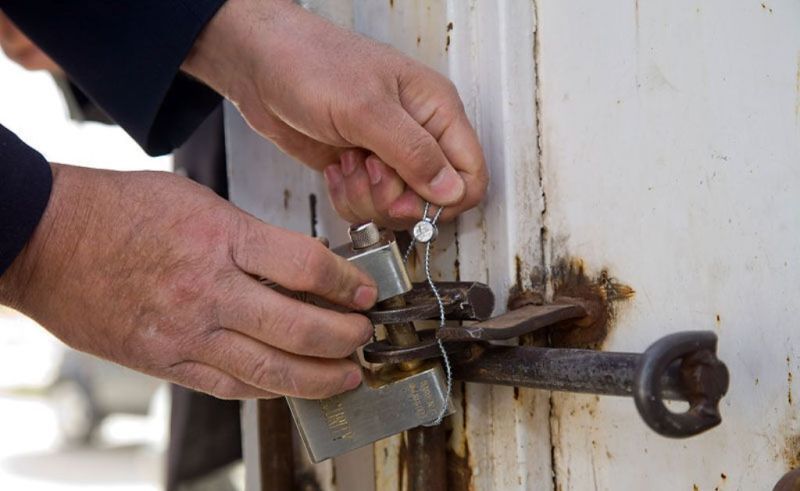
(652, 144)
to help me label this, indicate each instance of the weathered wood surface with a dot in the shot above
(671, 157)
(648, 149)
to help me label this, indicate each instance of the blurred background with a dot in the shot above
(67, 420)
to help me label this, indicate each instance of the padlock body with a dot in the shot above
(386, 403)
(383, 263)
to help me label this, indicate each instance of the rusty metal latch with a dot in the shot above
(680, 366)
(411, 389)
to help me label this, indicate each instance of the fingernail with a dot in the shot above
(447, 186)
(352, 380)
(333, 175)
(374, 170)
(348, 163)
(365, 297)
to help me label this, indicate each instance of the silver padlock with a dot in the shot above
(375, 252)
(386, 403)
(389, 400)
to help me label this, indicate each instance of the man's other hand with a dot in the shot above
(317, 90)
(159, 274)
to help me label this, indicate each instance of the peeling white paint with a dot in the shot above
(664, 137)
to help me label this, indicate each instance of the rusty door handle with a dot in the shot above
(681, 366)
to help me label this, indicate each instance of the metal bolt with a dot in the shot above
(364, 235)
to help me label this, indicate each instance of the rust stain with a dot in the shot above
(402, 461)
(766, 7)
(447, 41)
(791, 452)
(419, 40)
(516, 393)
(695, 487)
(600, 295)
(518, 271)
(287, 195)
(391, 3)
(459, 471)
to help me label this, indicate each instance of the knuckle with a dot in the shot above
(320, 387)
(366, 105)
(417, 150)
(311, 260)
(266, 371)
(299, 335)
(222, 388)
(346, 343)
(360, 332)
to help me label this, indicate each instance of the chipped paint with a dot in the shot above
(447, 41)
(459, 469)
(789, 377)
(312, 206)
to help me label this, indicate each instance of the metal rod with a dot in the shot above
(426, 452)
(275, 442)
(427, 458)
(565, 370)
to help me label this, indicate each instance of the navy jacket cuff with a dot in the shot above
(25, 184)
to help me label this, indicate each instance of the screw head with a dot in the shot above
(364, 235)
(425, 231)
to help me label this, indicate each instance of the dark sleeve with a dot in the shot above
(25, 181)
(126, 56)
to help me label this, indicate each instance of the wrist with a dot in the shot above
(225, 53)
(16, 282)
(32, 280)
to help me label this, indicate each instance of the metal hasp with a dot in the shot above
(389, 402)
(408, 391)
(789, 482)
(681, 366)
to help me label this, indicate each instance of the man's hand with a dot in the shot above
(157, 273)
(21, 50)
(317, 90)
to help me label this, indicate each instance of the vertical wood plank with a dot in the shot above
(502, 432)
(671, 150)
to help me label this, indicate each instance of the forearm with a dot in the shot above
(222, 57)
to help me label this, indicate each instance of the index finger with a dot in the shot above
(404, 145)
